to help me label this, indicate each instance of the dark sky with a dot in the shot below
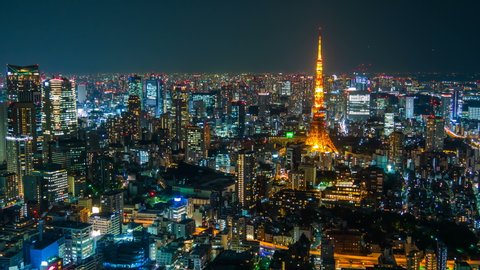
(87, 36)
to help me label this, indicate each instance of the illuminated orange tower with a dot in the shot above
(318, 137)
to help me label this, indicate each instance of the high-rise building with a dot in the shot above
(264, 101)
(132, 119)
(238, 116)
(24, 86)
(9, 192)
(435, 134)
(79, 244)
(3, 131)
(409, 107)
(105, 224)
(21, 139)
(327, 254)
(358, 105)
(153, 97)
(81, 93)
(135, 86)
(246, 173)
(21, 81)
(441, 256)
(181, 115)
(457, 104)
(446, 107)
(202, 105)
(389, 123)
(396, 151)
(54, 182)
(112, 202)
(59, 109)
(430, 260)
(198, 141)
(286, 88)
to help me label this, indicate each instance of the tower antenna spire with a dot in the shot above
(318, 137)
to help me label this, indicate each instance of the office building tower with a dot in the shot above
(198, 141)
(81, 93)
(430, 260)
(101, 172)
(413, 260)
(435, 134)
(33, 195)
(457, 104)
(389, 123)
(24, 86)
(202, 105)
(360, 83)
(238, 116)
(79, 244)
(181, 115)
(246, 173)
(327, 254)
(409, 107)
(105, 224)
(286, 88)
(59, 109)
(21, 139)
(358, 105)
(264, 104)
(132, 125)
(446, 107)
(70, 154)
(112, 202)
(54, 182)
(293, 156)
(441, 256)
(3, 131)
(20, 156)
(135, 86)
(396, 151)
(9, 192)
(21, 81)
(153, 101)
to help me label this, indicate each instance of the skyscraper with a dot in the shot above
(198, 141)
(135, 86)
(59, 109)
(435, 134)
(9, 192)
(3, 131)
(318, 137)
(409, 107)
(238, 116)
(22, 80)
(21, 139)
(132, 119)
(246, 169)
(24, 86)
(54, 182)
(181, 115)
(358, 105)
(457, 104)
(153, 97)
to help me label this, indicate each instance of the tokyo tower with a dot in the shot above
(318, 137)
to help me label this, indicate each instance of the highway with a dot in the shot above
(356, 261)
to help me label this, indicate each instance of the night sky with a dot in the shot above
(86, 36)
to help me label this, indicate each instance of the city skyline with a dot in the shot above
(270, 36)
(256, 153)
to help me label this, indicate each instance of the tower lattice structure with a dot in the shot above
(318, 137)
